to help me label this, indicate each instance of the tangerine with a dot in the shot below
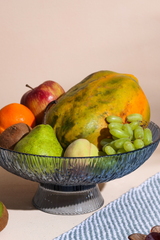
(15, 113)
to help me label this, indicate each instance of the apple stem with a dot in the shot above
(29, 86)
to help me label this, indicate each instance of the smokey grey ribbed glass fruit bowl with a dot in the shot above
(70, 185)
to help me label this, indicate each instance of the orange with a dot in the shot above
(15, 113)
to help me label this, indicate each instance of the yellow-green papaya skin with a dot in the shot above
(81, 112)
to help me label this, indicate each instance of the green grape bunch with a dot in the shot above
(127, 136)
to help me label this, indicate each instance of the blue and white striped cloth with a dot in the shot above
(138, 210)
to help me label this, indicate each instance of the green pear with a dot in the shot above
(41, 140)
(1, 209)
(3, 216)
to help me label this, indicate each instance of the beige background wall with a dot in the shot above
(66, 40)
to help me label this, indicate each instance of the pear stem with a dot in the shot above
(29, 86)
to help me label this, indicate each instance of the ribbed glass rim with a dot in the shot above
(120, 154)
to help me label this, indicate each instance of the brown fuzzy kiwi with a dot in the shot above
(4, 218)
(11, 135)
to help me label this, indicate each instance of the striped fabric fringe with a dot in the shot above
(136, 211)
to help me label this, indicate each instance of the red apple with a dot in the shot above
(37, 99)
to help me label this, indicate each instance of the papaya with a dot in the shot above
(82, 111)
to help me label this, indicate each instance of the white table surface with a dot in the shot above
(27, 223)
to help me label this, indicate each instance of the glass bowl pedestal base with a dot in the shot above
(68, 200)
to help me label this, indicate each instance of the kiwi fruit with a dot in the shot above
(11, 135)
(3, 216)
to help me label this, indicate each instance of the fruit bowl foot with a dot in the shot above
(68, 200)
